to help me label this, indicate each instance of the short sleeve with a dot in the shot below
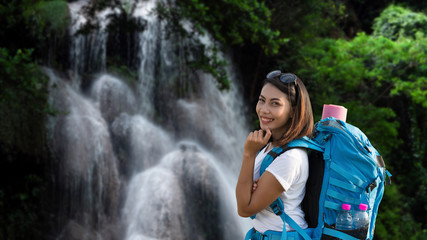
(287, 167)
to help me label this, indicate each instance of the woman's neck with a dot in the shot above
(275, 139)
(277, 136)
(273, 144)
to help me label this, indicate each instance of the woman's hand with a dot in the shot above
(256, 140)
(255, 185)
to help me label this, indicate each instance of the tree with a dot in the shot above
(23, 112)
(229, 22)
(382, 82)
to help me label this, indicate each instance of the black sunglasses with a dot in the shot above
(284, 77)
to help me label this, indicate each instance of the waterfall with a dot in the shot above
(87, 52)
(148, 45)
(153, 158)
(85, 166)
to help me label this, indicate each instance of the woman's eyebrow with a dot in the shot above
(272, 99)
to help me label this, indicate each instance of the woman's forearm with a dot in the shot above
(254, 142)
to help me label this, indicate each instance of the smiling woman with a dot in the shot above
(284, 111)
(274, 110)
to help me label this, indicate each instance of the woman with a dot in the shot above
(284, 112)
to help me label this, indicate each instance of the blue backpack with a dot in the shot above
(344, 168)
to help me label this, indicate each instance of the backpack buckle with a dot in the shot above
(371, 186)
(259, 236)
(388, 174)
(276, 210)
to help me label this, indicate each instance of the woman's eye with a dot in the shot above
(260, 100)
(275, 104)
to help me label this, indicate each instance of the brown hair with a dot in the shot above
(301, 122)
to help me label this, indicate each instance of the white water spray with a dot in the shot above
(139, 162)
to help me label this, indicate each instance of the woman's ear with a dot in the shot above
(292, 112)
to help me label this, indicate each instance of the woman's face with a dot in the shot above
(274, 110)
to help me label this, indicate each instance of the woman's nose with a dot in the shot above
(264, 109)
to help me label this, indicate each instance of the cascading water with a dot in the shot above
(136, 160)
(87, 52)
(86, 168)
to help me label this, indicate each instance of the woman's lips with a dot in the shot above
(266, 120)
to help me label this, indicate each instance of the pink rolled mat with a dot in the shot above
(336, 111)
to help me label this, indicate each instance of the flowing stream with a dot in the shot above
(152, 158)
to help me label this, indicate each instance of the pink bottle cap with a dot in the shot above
(336, 111)
(363, 207)
(346, 206)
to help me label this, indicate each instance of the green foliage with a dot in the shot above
(308, 20)
(124, 72)
(19, 73)
(12, 23)
(52, 16)
(396, 21)
(117, 68)
(229, 22)
(232, 22)
(371, 65)
(367, 75)
(23, 102)
(378, 123)
(351, 73)
(214, 65)
(46, 19)
(409, 49)
(393, 221)
(34, 24)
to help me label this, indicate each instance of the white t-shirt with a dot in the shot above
(291, 170)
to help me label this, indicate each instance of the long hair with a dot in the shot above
(301, 122)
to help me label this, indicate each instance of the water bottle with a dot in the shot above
(360, 218)
(344, 220)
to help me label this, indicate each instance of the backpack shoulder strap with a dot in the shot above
(278, 209)
(305, 142)
(277, 205)
(271, 155)
(268, 159)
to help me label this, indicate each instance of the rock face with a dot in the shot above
(150, 156)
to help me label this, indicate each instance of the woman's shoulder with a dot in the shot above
(295, 153)
(292, 161)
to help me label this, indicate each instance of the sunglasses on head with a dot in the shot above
(283, 77)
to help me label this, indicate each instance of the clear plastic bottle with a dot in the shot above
(361, 218)
(344, 220)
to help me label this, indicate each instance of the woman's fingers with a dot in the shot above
(267, 135)
(250, 136)
(257, 139)
(259, 136)
(256, 135)
(255, 185)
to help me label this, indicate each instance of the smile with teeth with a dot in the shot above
(266, 120)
